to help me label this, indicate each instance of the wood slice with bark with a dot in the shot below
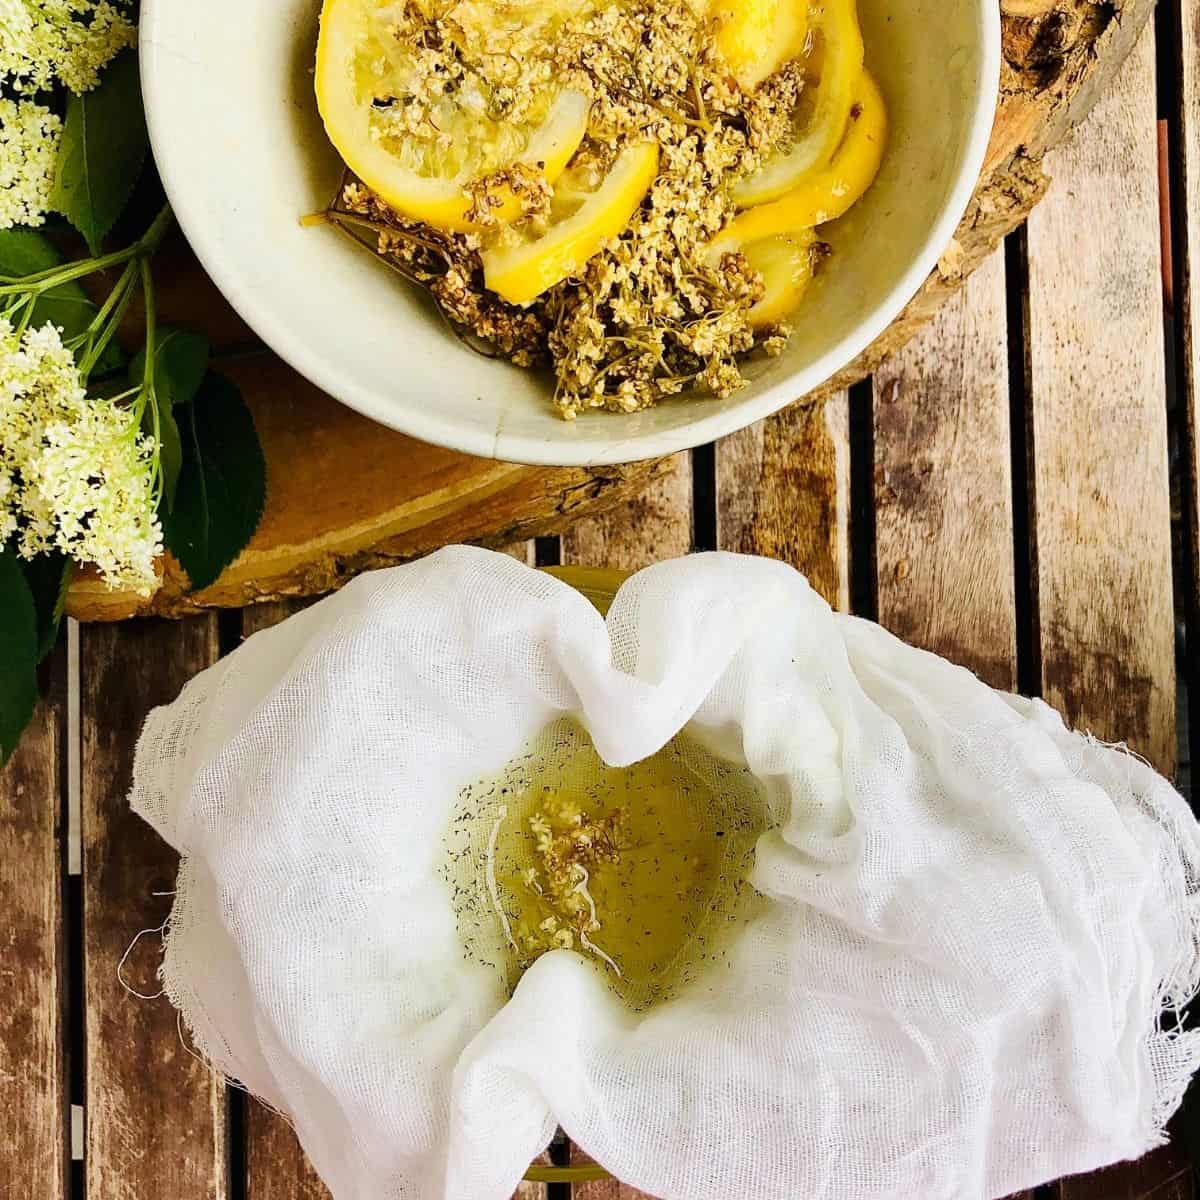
(346, 495)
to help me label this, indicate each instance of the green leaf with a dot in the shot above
(18, 653)
(180, 360)
(222, 483)
(48, 576)
(24, 252)
(103, 147)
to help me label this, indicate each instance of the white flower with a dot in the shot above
(69, 40)
(29, 137)
(76, 473)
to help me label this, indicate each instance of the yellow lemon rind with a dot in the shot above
(523, 272)
(842, 54)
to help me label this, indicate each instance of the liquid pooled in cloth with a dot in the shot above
(640, 869)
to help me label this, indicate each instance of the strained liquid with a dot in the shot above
(640, 869)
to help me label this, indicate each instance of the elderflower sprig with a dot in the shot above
(29, 139)
(76, 472)
(79, 474)
(71, 41)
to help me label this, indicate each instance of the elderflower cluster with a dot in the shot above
(69, 40)
(29, 138)
(76, 473)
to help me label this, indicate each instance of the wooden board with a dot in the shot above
(1097, 414)
(1098, 428)
(33, 1066)
(345, 495)
(943, 485)
(1187, 227)
(155, 1113)
(782, 489)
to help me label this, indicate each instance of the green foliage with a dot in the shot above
(180, 361)
(18, 653)
(222, 482)
(24, 252)
(104, 144)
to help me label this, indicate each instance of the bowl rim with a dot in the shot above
(604, 447)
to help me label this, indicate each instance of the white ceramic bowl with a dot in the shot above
(234, 125)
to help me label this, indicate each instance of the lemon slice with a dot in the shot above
(841, 53)
(831, 192)
(582, 219)
(368, 74)
(785, 262)
(756, 37)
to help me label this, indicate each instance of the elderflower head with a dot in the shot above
(76, 473)
(68, 40)
(29, 137)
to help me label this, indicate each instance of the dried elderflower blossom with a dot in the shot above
(568, 846)
(29, 139)
(68, 40)
(76, 473)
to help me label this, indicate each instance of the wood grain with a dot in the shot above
(345, 495)
(156, 1116)
(1164, 1174)
(651, 527)
(1098, 414)
(1102, 519)
(943, 485)
(33, 1081)
(1188, 224)
(783, 492)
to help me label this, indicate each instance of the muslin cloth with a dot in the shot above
(978, 932)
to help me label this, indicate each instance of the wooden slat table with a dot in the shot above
(1004, 492)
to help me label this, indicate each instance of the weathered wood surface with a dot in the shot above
(1187, 312)
(33, 1067)
(156, 1115)
(346, 495)
(782, 490)
(1098, 428)
(943, 485)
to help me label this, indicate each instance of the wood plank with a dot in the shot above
(943, 485)
(783, 491)
(346, 495)
(1099, 468)
(1098, 418)
(1188, 224)
(1164, 1174)
(654, 526)
(155, 1113)
(34, 1147)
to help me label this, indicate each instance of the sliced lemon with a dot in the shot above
(756, 37)
(785, 262)
(841, 60)
(582, 218)
(830, 192)
(365, 78)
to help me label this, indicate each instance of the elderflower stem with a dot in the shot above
(148, 395)
(43, 281)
